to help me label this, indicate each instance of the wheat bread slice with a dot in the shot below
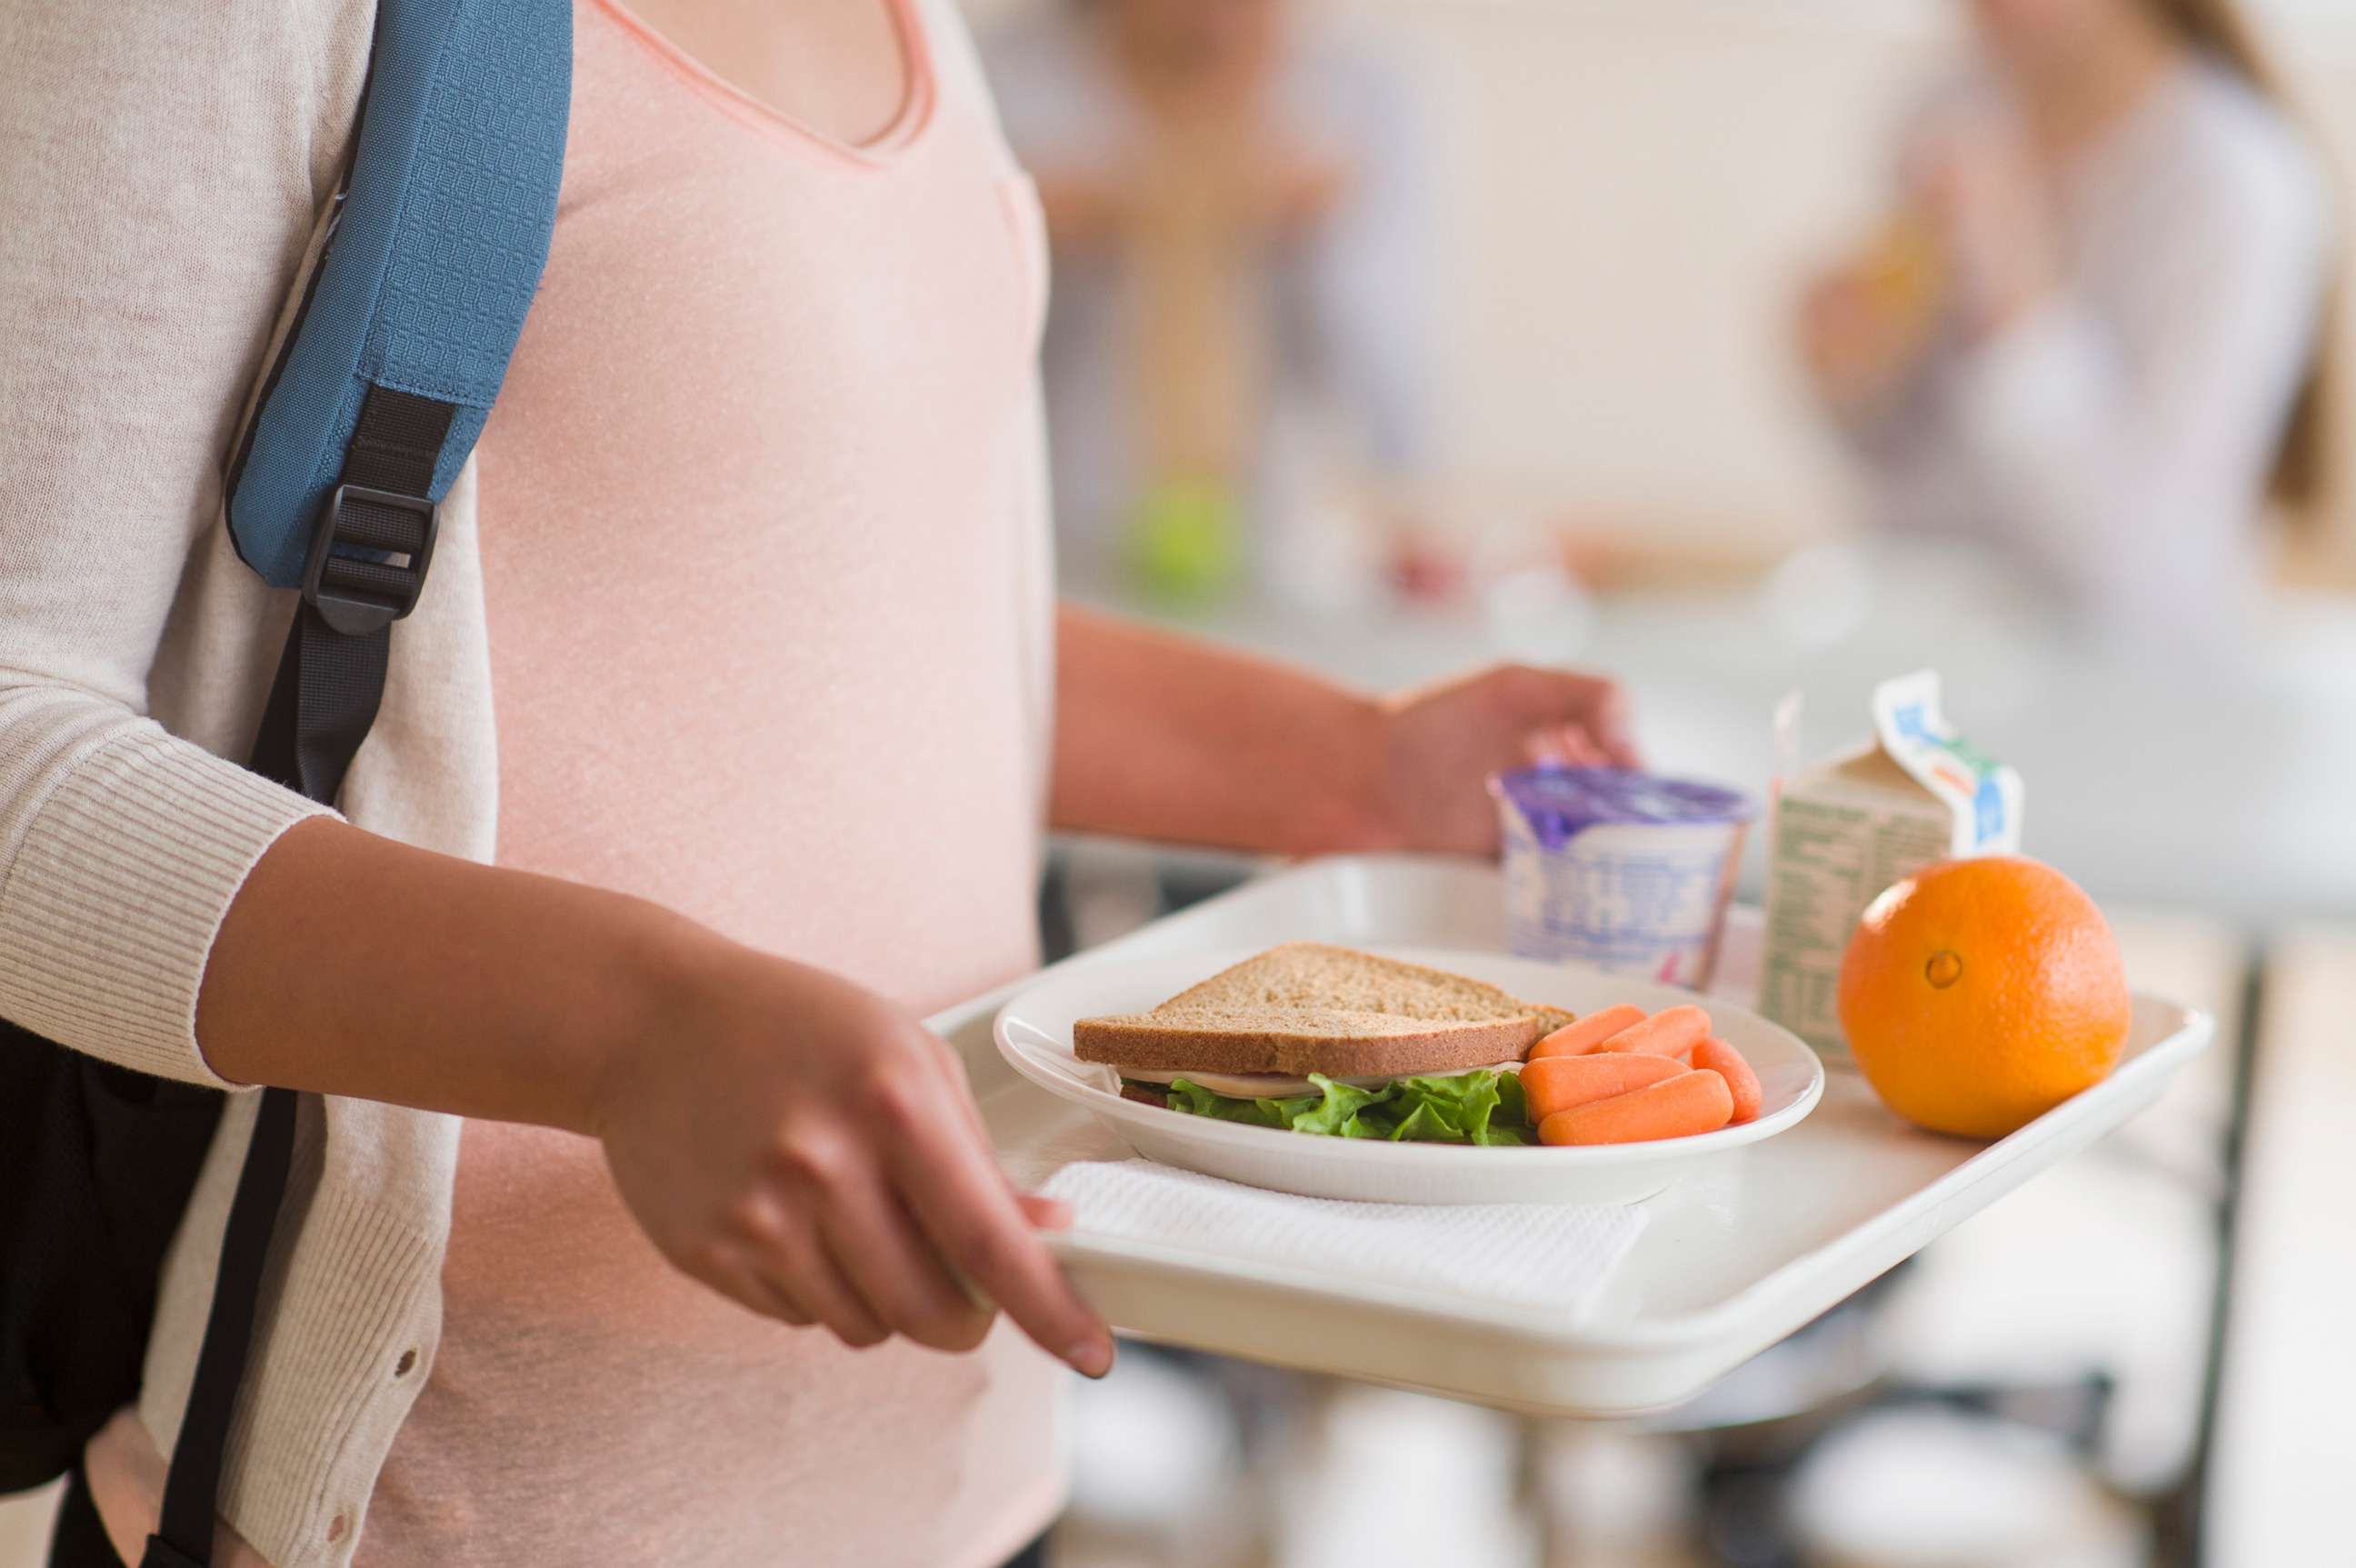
(1307, 1007)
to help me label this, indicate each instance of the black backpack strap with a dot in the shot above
(404, 340)
(365, 570)
(322, 702)
(183, 1534)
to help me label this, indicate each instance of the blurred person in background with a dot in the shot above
(2094, 335)
(1235, 206)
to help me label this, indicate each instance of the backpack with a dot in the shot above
(434, 249)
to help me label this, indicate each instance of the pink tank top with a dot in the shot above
(761, 542)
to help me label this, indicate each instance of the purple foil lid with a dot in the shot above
(1558, 801)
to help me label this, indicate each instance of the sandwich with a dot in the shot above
(1324, 1039)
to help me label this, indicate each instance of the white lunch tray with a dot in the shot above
(1730, 1263)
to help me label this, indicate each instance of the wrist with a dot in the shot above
(654, 963)
(1362, 808)
(1999, 290)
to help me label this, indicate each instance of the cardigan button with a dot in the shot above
(407, 1364)
(337, 1526)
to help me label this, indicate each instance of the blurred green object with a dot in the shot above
(1186, 546)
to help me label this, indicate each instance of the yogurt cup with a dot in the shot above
(1621, 871)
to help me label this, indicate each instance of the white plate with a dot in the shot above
(1033, 1032)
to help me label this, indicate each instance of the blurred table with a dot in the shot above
(2287, 1418)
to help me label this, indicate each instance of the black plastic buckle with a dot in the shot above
(356, 594)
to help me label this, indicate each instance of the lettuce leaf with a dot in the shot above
(1195, 1101)
(1484, 1107)
(1333, 1110)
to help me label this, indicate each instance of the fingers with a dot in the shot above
(737, 1278)
(1570, 711)
(854, 1260)
(1606, 721)
(874, 1243)
(1620, 748)
(872, 1273)
(830, 1234)
(789, 1275)
(1046, 1213)
(962, 1201)
(845, 1234)
(1585, 725)
(1563, 746)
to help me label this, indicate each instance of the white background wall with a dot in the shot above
(1630, 191)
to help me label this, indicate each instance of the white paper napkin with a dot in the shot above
(1523, 1253)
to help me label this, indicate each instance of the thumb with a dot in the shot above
(1597, 708)
(1046, 1213)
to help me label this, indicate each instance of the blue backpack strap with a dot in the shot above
(378, 396)
(431, 265)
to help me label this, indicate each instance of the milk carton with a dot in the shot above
(1843, 831)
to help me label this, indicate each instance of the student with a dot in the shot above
(1235, 202)
(2094, 336)
(629, 1197)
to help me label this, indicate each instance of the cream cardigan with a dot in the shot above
(161, 170)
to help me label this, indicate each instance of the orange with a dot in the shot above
(1981, 994)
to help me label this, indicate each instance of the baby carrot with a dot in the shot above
(1557, 1083)
(1729, 1064)
(1675, 1108)
(1576, 1039)
(1672, 1032)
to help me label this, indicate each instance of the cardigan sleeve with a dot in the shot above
(159, 174)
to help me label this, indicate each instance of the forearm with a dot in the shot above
(1165, 738)
(351, 964)
(1080, 212)
(748, 1106)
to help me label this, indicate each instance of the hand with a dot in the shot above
(1979, 183)
(799, 1145)
(1440, 743)
(1302, 193)
(1859, 341)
